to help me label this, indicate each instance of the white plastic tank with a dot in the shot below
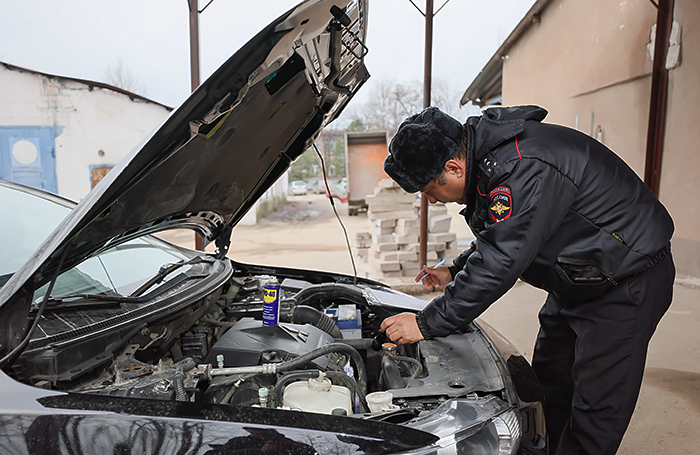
(317, 395)
(379, 402)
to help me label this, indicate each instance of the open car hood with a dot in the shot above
(215, 155)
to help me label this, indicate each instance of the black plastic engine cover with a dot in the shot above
(249, 342)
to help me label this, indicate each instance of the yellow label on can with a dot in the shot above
(269, 295)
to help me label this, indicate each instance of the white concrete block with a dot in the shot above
(389, 256)
(384, 207)
(408, 222)
(381, 231)
(407, 230)
(407, 256)
(385, 223)
(439, 223)
(386, 238)
(393, 214)
(381, 247)
(407, 238)
(442, 237)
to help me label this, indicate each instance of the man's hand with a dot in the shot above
(440, 276)
(402, 328)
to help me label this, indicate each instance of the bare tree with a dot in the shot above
(391, 102)
(120, 76)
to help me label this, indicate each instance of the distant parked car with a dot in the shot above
(315, 186)
(298, 187)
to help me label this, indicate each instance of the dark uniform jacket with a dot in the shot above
(553, 207)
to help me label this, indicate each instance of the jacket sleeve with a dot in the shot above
(540, 199)
(459, 262)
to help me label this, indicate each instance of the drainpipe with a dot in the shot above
(659, 91)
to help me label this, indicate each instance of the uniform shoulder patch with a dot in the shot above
(501, 203)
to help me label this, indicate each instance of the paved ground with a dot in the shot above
(305, 234)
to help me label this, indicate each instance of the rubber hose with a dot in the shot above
(304, 314)
(391, 376)
(400, 358)
(180, 369)
(347, 381)
(299, 362)
(325, 294)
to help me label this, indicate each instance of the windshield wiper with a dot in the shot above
(84, 302)
(166, 270)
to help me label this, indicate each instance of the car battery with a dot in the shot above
(348, 318)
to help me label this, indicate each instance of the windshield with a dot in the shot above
(28, 219)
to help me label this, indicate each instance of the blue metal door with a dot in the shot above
(28, 155)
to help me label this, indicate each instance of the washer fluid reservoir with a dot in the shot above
(317, 395)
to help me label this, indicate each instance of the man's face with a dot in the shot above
(451, 189)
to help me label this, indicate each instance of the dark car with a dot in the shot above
(113, 341)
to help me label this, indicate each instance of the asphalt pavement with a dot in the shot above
(305, 233)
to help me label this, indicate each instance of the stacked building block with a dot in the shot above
(390, 248)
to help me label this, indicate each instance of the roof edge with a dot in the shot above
(131, 95)
(490, 76)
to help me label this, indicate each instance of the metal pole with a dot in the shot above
(194, 43)
(427, 77)
(659, 90)
(194, 74)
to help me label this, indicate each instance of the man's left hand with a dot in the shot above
(402, 328)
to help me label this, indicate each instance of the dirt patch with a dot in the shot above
(296, 211)
(684, 383)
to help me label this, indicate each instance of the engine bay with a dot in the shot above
(323, 356)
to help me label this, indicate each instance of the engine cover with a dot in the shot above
(251, 343)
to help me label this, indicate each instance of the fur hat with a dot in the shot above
(421, 147)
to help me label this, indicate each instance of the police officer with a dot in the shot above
(557, 209)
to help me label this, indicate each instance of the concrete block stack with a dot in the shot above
(390, 248)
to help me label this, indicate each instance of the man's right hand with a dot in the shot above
(440, 276)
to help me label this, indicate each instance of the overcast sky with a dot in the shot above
(87, 38)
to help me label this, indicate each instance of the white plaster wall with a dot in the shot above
(93, 119)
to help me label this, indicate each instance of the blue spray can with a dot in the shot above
(271, 302)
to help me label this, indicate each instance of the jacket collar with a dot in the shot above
(499, 124)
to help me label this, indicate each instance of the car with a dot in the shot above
(298, 187)
(316, 185)
(113, 341)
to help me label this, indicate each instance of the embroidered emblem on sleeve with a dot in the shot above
(501, 205)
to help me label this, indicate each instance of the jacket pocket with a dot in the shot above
(582, 272)
(580, 280)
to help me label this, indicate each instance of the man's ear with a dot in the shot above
(455, 167)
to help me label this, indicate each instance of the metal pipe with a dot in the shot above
(658, 102)
(193, 6)
(427, 81)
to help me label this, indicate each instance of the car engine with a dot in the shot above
(325, 355)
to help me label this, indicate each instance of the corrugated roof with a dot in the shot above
(486, 87)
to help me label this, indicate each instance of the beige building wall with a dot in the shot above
(587, 63)
(680, 172)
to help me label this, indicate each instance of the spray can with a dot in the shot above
(271, 302)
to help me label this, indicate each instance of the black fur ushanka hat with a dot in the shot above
(421, 147)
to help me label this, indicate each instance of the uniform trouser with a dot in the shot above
(589, 358)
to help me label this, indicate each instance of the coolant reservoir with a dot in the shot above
(317, 395)
(379, 402)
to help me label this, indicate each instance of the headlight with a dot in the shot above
(475, 427)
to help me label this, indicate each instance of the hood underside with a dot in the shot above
(216, 155)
